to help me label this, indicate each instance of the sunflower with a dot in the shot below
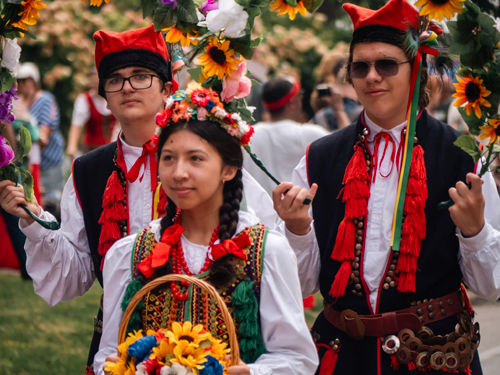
(491, 131)
(471, 91)
(175, 35)
(219, 349)
(438, 9)
(163, 352)
(186, 332)
(218, 59)
(189, 356)
(283, 8)
(96, 3)
(30, 13)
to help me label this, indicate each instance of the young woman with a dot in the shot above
(200, 167)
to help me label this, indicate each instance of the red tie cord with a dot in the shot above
(388, 139)
(148, 149)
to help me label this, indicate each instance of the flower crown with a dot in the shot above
(204, 105)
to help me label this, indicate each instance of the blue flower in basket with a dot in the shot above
(212, 367)
(142, 347)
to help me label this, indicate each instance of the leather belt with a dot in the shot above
(390, 323)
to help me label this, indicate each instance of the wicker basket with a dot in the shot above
(226, 316)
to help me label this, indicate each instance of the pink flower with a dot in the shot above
(201, 114)
(207, 6)
(237, 86)
(233, 131)
(6, 153)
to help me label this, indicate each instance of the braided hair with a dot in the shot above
(228, 147)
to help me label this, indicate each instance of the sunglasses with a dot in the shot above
(384, 67)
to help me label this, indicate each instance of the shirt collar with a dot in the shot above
(374, 129)
(130, 153)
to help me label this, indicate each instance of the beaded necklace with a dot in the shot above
(179, 263)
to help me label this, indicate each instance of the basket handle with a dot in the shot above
(226, 316)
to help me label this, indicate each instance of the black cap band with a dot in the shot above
(133, 57)
(378, 33)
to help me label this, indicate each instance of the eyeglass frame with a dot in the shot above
(370, 64)
(129, 82)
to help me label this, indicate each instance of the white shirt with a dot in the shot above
(479, 256)
(289, 346)
(280, 146)
(81, 110)
(59, 262)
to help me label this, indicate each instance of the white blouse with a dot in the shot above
(289, 346)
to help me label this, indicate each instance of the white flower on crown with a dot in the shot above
(220, 112)
(236, 117)
(230, 16)
(10, 55)
(170, 101)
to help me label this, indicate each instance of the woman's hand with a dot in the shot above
(291, 208)
(111, 358)
(468, 211)
(11, 196)
(240, 369)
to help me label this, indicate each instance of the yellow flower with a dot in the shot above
(471, 91)
(438, 9)
(219, 349)
(189, 356)
(186, 332)
(283, 8)
(491, 131)
(218, 59)
(175, 35)
(29, 14)
(161, 351)
(97, 3)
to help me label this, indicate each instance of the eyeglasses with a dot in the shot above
(138, 82)
(384, 67)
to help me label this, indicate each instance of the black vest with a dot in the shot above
(438, 271)
(91, 173)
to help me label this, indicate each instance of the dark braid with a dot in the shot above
(223, 271)
(166, 222)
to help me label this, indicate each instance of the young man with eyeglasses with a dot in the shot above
(385, 305)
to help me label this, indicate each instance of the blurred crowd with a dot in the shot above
(282, 133)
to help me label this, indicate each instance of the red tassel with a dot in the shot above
(417, 169)
(329, 360)
(162, 204)
(113, 212)
(109, 231)
(468, 371)
(355, 208)
(114, 190)
(410, 245)
(356, 189)
(415, 224)
(356, 169)
(407, 263)
(344, 243)
(104, 247)
(406, 282)
(394, 362)
(411, 366)
(468, 306)
(341, 279)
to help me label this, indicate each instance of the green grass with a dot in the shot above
(36, 338)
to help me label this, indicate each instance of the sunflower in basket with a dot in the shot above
(184, 350)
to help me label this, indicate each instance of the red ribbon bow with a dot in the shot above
(148, 149)
(235, 246)
(160, 254)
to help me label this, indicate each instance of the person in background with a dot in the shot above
(281, 142)
(43, 108)
(338, 102)
(91, 115)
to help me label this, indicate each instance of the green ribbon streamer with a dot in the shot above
(410, 134)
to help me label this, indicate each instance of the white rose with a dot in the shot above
(175, 369)
(10, 55)
(229, 16)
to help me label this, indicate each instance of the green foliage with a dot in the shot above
(472, 121)
(148, 6)
(6, 79)
(40, 339)
(469, 145)
(24, 144)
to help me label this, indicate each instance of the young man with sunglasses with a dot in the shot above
(385, 304)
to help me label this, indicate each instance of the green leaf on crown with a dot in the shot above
(312, 5)
(469, 145)
(186, 11)
(195, 73)
(24, 144)
(148, 6)
(472, 121)
(164, 17)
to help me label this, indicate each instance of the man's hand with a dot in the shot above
(291, 208)
(11, 196)
(240, 369)
(468, 211)
(110, 358)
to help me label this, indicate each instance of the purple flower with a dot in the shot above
(6, 153)
(208, 5)
(170, 3)
(6, 105)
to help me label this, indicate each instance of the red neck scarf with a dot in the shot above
(148, 150)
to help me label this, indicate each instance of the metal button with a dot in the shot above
(450, 301)
(386, 286)
(420, 311)
(431, 315)
(443, 311)
(357, 287)
(430, 308)
(441, 304)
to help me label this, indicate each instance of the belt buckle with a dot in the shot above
(352, 324)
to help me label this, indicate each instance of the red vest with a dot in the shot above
(99, 128)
